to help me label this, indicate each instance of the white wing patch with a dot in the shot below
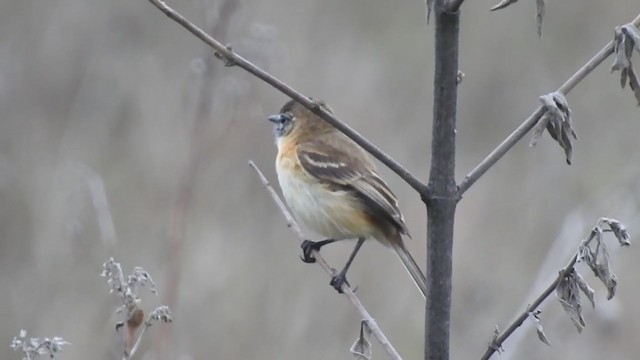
(323, 164)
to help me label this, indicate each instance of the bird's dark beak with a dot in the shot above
(276, 119)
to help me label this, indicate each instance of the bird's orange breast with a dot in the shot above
(331, 212)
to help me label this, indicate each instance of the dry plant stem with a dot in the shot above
(497, 343)
(346, 290)
(531, 121)
(135, 347)
(101, 205)
(226, 54)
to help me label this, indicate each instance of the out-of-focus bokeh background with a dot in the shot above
(120, 135)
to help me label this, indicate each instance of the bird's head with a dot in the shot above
(295, 120)
(285, 120)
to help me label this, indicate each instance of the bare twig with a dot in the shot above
(103, 214)
(100, 203)
(230, 58)
(346, 290)
(531, 121)
(497, 342)
(161, 313)
(540, 9)
(136, 345)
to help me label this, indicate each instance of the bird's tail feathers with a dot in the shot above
(411, 266)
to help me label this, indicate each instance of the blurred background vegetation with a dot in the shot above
(103, 100)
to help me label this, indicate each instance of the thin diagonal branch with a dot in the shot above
(531, 121)
(136, 345)
(499, 340)
(230, 58)
(346, 290)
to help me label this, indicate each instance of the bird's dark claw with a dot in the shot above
(309, 246)
(338, 280)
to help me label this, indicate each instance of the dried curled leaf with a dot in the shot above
(361, 348)
(535, 317)
(618, 229)
(597, 257)
(494, 344)
(502, 4)
(557, 121)
(568, 292)
(429, 5)
(634, 84)
(632, 32)
(585, 288)
(161, 313)
(626, 38)
(622, 51)
(539, 11)
(594, 253)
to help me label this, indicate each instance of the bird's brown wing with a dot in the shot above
(344, 164)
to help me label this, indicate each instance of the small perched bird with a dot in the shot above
(332, 186)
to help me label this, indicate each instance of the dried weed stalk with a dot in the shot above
(569, 285)
(32, 348)
(130, 308)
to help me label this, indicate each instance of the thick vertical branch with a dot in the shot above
(441, 204)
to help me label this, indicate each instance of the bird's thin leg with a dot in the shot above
(309, 246)
(341, 278)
